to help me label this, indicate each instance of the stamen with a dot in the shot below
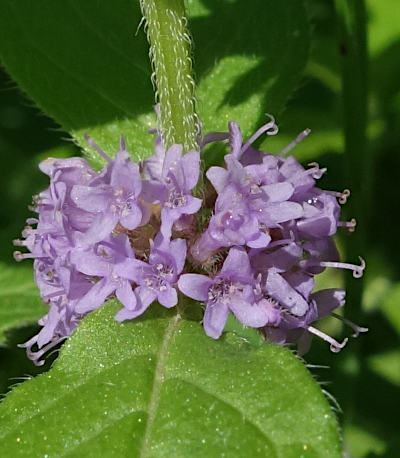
(351, 225)
(316, 172)
(36, 355)
(295, 142)
(96, 147)
(357, 270)
(342, 196)
(18, 256)
(357, 329)
(270, 129)
(27, 231)
(335, 345)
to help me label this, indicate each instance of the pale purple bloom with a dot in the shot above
(259, 241)
(152, 166)
(294, 329)
(232, 289)
(61, 286)
(321, 214)
(156, 279)
(172, 187)
(250, 202)
(102, 262)
(113, 198)
(180, 175)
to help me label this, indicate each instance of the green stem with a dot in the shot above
(353, 50)
(170, 54)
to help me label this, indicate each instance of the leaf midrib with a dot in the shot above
(157, 383)
(154, 396)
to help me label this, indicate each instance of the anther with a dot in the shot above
(357, 270)
(270, 129)
(315, 171)
(341, 196)
(350, 225)
(334, 344)
(18, 256)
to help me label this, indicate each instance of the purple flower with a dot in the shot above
(267, 211)
(179, 176)
(293, 329)
(61, 287)
(102, 263)
(232, 289)
(321, 214)
(249, 203)
(155, 279)
(112, 198)
(153, 166)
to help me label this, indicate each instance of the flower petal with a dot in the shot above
(96, 296)
(133, 269)
(172, 159)
(168, 298)
(254, 315)
(328, 300)
(131, 219)
(214, 319)
(90, 264)
(101, 228)
(278, 288)
(193, 205)
(146, 296)
(91, 198)
(218, 177)
(126, 296)
(195, 286)
(191, 168)
(278, 192)
(178, 251)
(237, 262)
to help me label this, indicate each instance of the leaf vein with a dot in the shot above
(158, 381)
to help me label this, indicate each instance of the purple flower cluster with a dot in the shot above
(251, 246)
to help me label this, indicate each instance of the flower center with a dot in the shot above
(162, 277)
(176, 199)
(221, 291)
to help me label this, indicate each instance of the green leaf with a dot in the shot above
(159, 387)
(19, 298)
(387, 364)
(390, 307)
(83, 64)
(249, 56)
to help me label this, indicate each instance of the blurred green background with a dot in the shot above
(363, 380)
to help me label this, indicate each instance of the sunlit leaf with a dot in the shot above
(84, 65)
(159, 387)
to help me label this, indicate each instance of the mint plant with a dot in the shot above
(234, 242)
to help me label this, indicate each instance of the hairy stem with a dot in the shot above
(170, 54)
(353, 50)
